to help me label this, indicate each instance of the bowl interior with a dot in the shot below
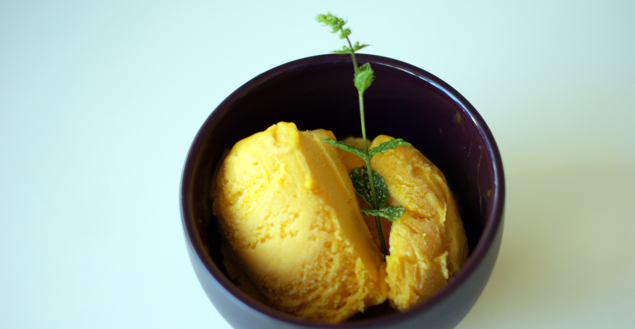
(318, 92)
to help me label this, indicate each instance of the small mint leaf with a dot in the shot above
(347, 147)
(344, 50)
(388, 145)
(364, 78)
(332, 21)
(359, 176)
(381, 189)
(357, 46)
(345, 33)
(392, 213)
(365, 67)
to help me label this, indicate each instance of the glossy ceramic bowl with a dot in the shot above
(404, 101)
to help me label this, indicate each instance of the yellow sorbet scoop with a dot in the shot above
(289, 213)
(428, 243)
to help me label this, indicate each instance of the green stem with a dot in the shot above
(381, 236)
(370, 175)
(367, 160)
(371, 180)
(353, 55)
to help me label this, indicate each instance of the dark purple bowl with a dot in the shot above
(404, 101)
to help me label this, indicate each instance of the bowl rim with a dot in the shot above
(493, 223)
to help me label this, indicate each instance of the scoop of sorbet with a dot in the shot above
(428, 243)
(289, 213)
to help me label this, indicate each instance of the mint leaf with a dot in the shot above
(357, 46)
(388, 145)
(332, 21)
(346, 147)
(361, 183)
(364, 78)
(344, 50)
(392, 213)
(345, 33)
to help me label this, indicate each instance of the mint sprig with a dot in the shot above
(362, 184)
(392, 213)
(368, 184)
(387, 145)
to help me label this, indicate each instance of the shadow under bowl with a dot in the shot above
(404, 101)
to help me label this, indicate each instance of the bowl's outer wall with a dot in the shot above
(445, 314)
(317, 92)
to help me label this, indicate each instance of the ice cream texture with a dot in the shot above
(292, 224)
(289, 212)
(428, 243)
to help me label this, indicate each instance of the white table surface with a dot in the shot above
(100, 100)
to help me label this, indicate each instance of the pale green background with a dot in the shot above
(99, 101)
